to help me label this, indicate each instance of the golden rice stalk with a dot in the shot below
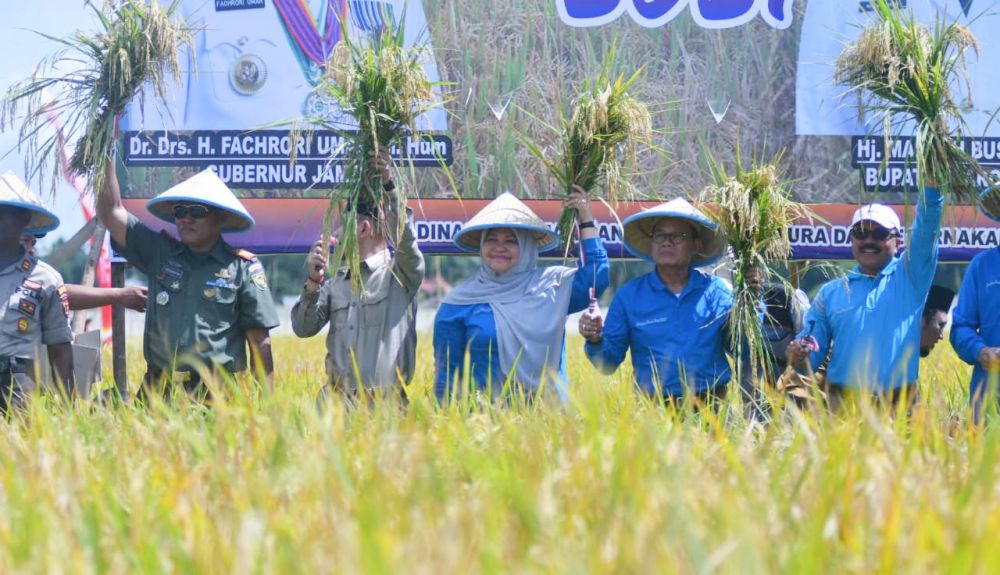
(600, 139)
(383, 85)
(904, 71)
(753, 209)
(138, 43)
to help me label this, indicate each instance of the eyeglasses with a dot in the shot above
(196, 211)
(670, 238)
(877, 233)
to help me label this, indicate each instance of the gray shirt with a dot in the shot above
(37, 309)
(373, 331)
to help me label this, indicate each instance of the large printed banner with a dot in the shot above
(823, 108)
(292, 225)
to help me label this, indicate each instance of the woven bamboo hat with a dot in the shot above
(14, 192)
(505, 212)
(989, 204)
(639, 231)
(208, 189)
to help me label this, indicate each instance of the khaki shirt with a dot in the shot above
(200, 305)
(375, 329)
(37, 310)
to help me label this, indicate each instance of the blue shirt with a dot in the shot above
(873, 323)
(975, 322)
(678, 341)
(472, 328)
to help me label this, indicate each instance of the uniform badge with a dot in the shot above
(162, 298)
(64, 298)
(259, 280)
(26, 265)
(224, 274)
(23, 325)
(27, 306)
(248, 74)
(208, 293)
(32, 285)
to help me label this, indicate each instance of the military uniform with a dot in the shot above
(36, 313)
(201, 305)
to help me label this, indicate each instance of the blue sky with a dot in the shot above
(22, 49)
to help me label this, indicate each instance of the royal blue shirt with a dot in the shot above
(873, 323)
(678, 341)
(975, 322)
(472, 328)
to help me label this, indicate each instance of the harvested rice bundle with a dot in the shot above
(754, 210)
(601, 137)
(383, 85)
(138, 43)
(905, 72)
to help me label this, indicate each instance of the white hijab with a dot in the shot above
(529, 307)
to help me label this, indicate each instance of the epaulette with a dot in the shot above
(244, 254)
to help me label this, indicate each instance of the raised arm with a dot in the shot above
(110, 209)
(311, 312)
(921, 254)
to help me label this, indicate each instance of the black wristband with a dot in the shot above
(388, 185)
(585, 225)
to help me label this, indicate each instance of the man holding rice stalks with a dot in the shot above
(870, 320)
(209, 299)
(37, 310)
(372, 341)
(975, 331)
(672, 319)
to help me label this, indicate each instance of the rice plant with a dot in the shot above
(599, 140)
(383, 85)
(905, 72)
(754, 209)
(90, 81)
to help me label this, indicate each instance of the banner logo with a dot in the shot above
(655, 13)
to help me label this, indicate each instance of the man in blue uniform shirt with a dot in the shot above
(871, 318)
(672, 319)
(975, 328)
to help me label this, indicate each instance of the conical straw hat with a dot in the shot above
(204, 188)
(989, 204)
(14, 192)
(639, 231)
(505, 212)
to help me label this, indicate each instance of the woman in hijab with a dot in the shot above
(510, 317)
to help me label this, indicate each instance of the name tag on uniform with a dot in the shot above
(227, 5)
(27, 306)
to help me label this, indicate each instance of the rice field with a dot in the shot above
(612, 483)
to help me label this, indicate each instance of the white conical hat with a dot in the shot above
(505, 212)
(989, 204)
(639, 231)
(204, 188)
(14, 192)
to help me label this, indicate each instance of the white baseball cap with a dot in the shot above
(881, 214)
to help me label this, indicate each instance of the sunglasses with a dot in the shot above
(878, 234)
(197, 212)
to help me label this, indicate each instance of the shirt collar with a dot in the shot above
(887, 270)
(378, 259)
(696, 280)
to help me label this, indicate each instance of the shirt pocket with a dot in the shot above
(373, 308)
(340, 311)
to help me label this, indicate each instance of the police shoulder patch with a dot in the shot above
(26, 265)
(64, 298)
(23, 325)
(259, 280)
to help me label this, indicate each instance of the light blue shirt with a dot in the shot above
(678, 341)
(975, 322)
(873, 323)
(472, 328)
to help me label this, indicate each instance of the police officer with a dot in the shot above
(208, 298)
(258, 62)
(36, 310)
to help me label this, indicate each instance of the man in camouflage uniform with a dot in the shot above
(207, 299)
(36, 309)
